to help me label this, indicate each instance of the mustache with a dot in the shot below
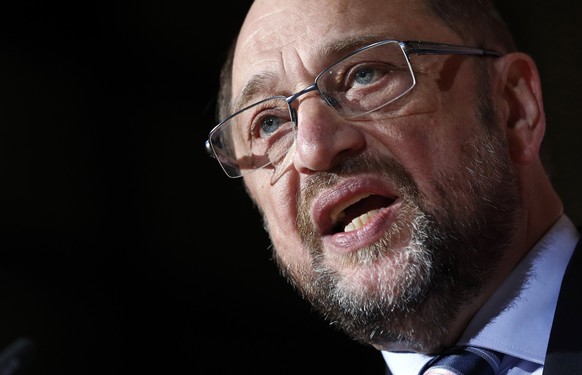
(384, 166)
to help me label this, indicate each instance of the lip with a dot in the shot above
(330, 203)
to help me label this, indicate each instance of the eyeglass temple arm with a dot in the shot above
(431, 48)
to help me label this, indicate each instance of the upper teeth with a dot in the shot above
(338, 212)
(360, 221)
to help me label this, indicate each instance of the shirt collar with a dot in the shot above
(529, 294)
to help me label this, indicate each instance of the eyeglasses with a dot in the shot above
(360, 84)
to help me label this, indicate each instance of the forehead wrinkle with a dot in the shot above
(264, 84)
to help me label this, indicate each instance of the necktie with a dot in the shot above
(464, 361)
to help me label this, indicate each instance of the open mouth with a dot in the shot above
(354, 214)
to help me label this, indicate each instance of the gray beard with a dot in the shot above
(455, 246)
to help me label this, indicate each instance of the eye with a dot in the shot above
(267, 118)
(270, 131)
(269, 125)
(365, 75)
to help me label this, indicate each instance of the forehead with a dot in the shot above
(291, 39)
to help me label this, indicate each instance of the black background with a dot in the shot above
(124, 249)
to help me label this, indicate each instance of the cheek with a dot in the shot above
(429, 139)
(274, 200)
(278, 205)
(445, 116)
(414, 133)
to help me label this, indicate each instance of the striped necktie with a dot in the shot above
(464, 361)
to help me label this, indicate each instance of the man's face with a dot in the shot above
(390, 227)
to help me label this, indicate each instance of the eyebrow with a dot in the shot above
(262, 83)
(258, 84)
(344, 46)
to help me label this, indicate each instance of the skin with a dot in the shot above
(454, 218)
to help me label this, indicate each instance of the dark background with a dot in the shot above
(124, 249)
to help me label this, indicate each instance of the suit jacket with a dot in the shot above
(564, 353)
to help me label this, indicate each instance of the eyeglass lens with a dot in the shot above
(361, 83)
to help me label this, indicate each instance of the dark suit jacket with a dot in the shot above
(564, 353)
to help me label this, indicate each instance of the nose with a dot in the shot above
(324, 138)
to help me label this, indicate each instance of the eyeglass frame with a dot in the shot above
(408, 47)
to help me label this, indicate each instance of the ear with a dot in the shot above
(519, 85)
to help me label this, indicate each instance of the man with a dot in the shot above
(392, 148)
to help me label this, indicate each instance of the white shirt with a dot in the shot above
(522, 327)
